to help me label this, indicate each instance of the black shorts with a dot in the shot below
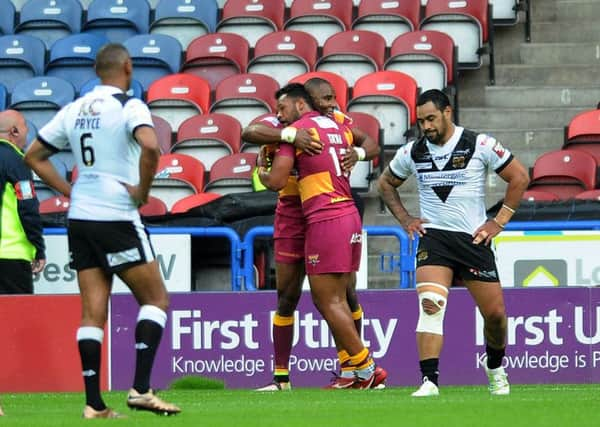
(456, 250)
(111, 245)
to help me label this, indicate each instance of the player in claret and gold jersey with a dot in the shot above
(333, 226)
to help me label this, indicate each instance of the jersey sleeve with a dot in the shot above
(271, 121)
(137, 114)
(285, 150)
(494, 154)
(401, 164)
(54, 133)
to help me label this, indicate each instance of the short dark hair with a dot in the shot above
(439, 99)
(110, 58)
(315, 83)
(295, 90)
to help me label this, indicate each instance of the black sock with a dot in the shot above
(494, 357)
(147, 337)
(281, 378)
(90, 353)
(429, 369)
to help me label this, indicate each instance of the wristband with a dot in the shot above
(360, 152)
(508, 208)
(498, 223)
(288, 134)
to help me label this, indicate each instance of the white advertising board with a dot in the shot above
(173, 252)
(548, 258)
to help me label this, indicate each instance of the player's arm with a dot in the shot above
(261, 134)
(37, 158)
(277, 177)
(387, 186)
(515, 174)
(146, 138)
(365, 148)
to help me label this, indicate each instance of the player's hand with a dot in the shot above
(349, 159)
(414, 225)
(486, 233)
(37, 265)
(265, 156)
(305, 142)
(139, 197)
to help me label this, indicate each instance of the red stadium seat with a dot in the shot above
(339, 84)
(163, 133)
(391, 96)
(177, 97)
(252, 19)
(216, 56)
(352, 54)
(468, 23)
(193, 201)
(245, 96)
(319, 18)
(361, 174)
(564, 172)
(208, 137)
(388, 18)
(154, 207)
(428, 56)
(589, 195)
(540, 196)
(232, 174)
(584, 127)
(177, 176)
(284, 54)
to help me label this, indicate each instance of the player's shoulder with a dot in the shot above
(342, 118)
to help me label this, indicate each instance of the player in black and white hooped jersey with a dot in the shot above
(116, 152)
(451, 165)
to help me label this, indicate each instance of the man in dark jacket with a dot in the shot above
(21, 239)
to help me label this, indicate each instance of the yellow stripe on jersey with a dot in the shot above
(291, 187)
(315, 185)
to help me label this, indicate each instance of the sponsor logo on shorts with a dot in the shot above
(313, 259)
(356, 238)
(123, 257)
(422, 255)
(483, 274)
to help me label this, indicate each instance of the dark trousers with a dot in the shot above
(15, 277)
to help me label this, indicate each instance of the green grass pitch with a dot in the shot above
(528, 405)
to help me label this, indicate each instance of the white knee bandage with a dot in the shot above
(432, 323)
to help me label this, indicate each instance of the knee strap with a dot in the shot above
(432, 323)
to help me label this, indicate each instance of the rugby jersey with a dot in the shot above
(451, 178)
(99, 127)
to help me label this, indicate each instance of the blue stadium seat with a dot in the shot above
(50, 20)
(72, 58)
(153, 56)
(118, 20)
(3, 97)
(21, 57)
(135, 89)
(185, 19)
(40, 98)
(7, 17)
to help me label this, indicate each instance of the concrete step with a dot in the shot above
(561, 53)
(544, 10)
(540, 75)
(542, 96)
(518, 118)
(562, 31)
(583, 10)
